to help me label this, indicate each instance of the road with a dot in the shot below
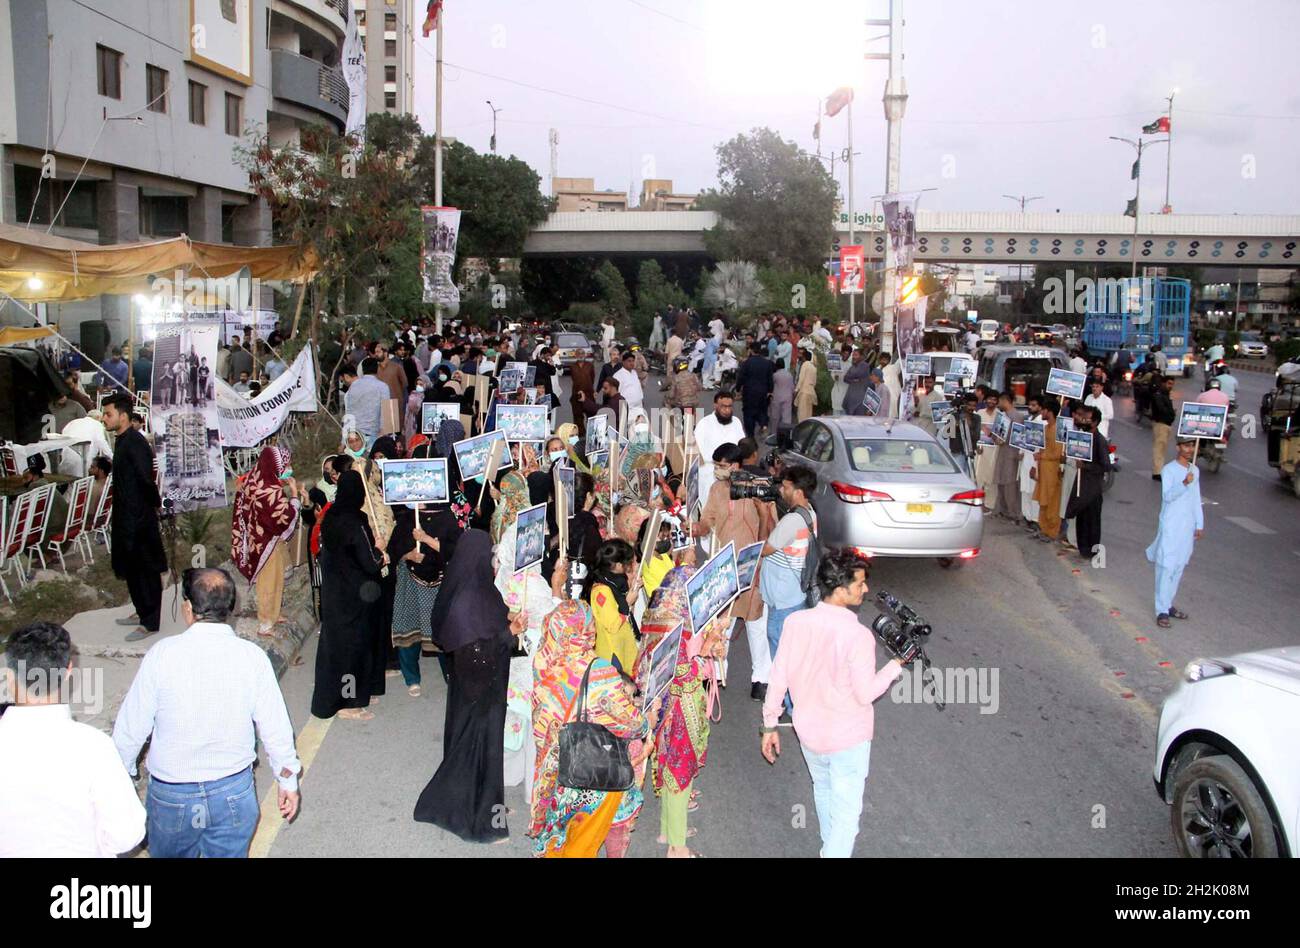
(1055, 761)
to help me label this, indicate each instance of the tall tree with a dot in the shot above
(613, 291)
(776, 202)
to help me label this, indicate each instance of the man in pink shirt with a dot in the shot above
(827, 661)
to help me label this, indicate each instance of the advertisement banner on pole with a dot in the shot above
(900, 225)
(247, 422)
(438, 256)
(354, 73)
(852, 263)
(183, 417)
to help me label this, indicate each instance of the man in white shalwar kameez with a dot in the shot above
(1181, 523)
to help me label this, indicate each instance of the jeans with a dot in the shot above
(839, 784)
(408, 660)
(214, 819)
(775, 623)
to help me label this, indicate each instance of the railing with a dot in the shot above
(333, 87)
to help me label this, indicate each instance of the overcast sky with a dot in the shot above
(1006, 96)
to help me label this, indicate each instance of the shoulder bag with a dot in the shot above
(591, 756)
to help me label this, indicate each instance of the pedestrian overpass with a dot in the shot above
(1247, 240)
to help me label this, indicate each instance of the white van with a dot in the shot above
(989, 329)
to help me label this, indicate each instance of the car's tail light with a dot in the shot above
(852, 494)
(971, 498)
(969, 554)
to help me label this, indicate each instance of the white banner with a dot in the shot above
(183, 417)
(441, 228)
(247, 422)
(354, 72)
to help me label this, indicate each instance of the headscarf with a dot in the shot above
(414, 442)
(263, 514)
(514, 498)
(564, 433)
(345, 514)
(449, 432)
(528, 462)
(469, 607)
(627, 524)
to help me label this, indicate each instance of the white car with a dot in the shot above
(1228, 756)
(1252, 348)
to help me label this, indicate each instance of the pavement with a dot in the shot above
(1049, 754)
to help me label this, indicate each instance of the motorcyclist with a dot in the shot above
(1228, 383)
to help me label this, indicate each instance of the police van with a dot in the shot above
(1020, 369)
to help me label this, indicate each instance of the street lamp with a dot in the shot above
(1169, 155)
(1022, 200)
(495, 110)
(1137, 176)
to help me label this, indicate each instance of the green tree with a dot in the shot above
(500, 199)
(654, 293)
(612, 290)
(775, 201)
(799, 292)
(551, 284)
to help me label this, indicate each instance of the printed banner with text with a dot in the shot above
(441, 228)
(183, 416)
(246, 422)
(900, 226)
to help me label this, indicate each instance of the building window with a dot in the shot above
(390, 22)
(361, 17)
(234, 114)
(390, 48)
(164, 216)
(228, 223)
(390, 100)
(39, 200)
(109, 68)
(155, 88)
(390, 74)
(198, 103)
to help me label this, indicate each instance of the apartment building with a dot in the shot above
(387, 30)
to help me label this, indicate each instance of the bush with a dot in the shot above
(584, 314)
(1285, 350)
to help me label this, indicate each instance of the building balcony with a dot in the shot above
(333, 12)
(311, 84)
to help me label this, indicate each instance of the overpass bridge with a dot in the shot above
(1247, 240)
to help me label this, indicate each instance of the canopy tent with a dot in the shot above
(12, 335)
(43, 268)
(28, 383)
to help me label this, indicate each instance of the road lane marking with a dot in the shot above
(1252, 526)
(309, 742)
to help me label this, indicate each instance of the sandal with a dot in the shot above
(1162, 620)
(357, 714)
(690, 832)
(1177, 613)
(413, 691)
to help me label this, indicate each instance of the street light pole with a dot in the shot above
(1022, 200)
(1169, 155)
(853, 297)
(437, 144)
(493, 145)
(895, 104)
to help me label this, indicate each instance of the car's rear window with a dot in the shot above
(571, 340)
(898, 456)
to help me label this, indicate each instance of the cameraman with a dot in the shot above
(827, 661)
(784, 553)
(741, 522)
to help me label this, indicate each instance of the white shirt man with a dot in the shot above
(93, 443)
(65, 793)
(1161, 361)
(972, 340)
(711, 432)
(1078, 364)
(1227, 384)
(607, 338)
(629, 384)
(1101, 401)
(718, 330)
(822, 333)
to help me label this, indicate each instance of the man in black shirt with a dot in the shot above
(1162, 420)
(1085, 503)
(754, 381)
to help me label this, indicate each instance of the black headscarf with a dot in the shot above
(469, 606)
(345, 516)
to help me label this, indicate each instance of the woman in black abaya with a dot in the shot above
(467, 793)
(352, 610)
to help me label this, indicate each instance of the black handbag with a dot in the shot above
(591, 757)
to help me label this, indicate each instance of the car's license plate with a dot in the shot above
(920, 508)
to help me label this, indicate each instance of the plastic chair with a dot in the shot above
(8, 462)
(78, 511)
(38, 523)
(4, 545)
(102, 523)
(16, 528)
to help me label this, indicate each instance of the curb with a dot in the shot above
(1253, 365)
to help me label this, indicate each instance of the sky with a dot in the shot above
(1006, 97)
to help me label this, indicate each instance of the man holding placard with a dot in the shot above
(1181, 524)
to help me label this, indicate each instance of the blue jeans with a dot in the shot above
(408, 660)
(775, 623)
(839, 784)
(215, 819)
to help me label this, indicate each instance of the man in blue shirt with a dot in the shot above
(115, 370)
(784, 552)
(365, 399)
(142, 370)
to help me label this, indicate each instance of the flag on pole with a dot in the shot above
(433, 16)
(1132, 209)
(817, 132)
(1135, 169)
(1159, 125)
(838, 99)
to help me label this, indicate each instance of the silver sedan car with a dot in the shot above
(888, 488)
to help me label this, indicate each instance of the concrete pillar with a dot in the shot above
(118, 201)
(205, 215)
(252, 224)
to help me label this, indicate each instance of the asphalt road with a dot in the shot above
(1049, 754)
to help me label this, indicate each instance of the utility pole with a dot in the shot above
(493, 144)
(1169, 154)
(1022, 200)
(853, 297)
(1137, 146)
(437, 145)
(895, 104)
(553, 138)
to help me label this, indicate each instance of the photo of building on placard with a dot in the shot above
(184, 421)
(433, 414)
(713, 587)
(530, 537)
(472, 454)
(522, 422)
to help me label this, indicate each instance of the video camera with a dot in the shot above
(901, 630)
(748, 486)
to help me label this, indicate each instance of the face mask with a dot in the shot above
(557, 455)
(573, 439)
(358, 454)
(663, 546)
(288, 473)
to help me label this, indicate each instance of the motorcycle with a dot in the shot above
(1214, 453)
(1108, 479)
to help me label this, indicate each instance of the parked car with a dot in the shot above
(1226, 759)
(888, 488)
(989, 329)
(568, 346)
